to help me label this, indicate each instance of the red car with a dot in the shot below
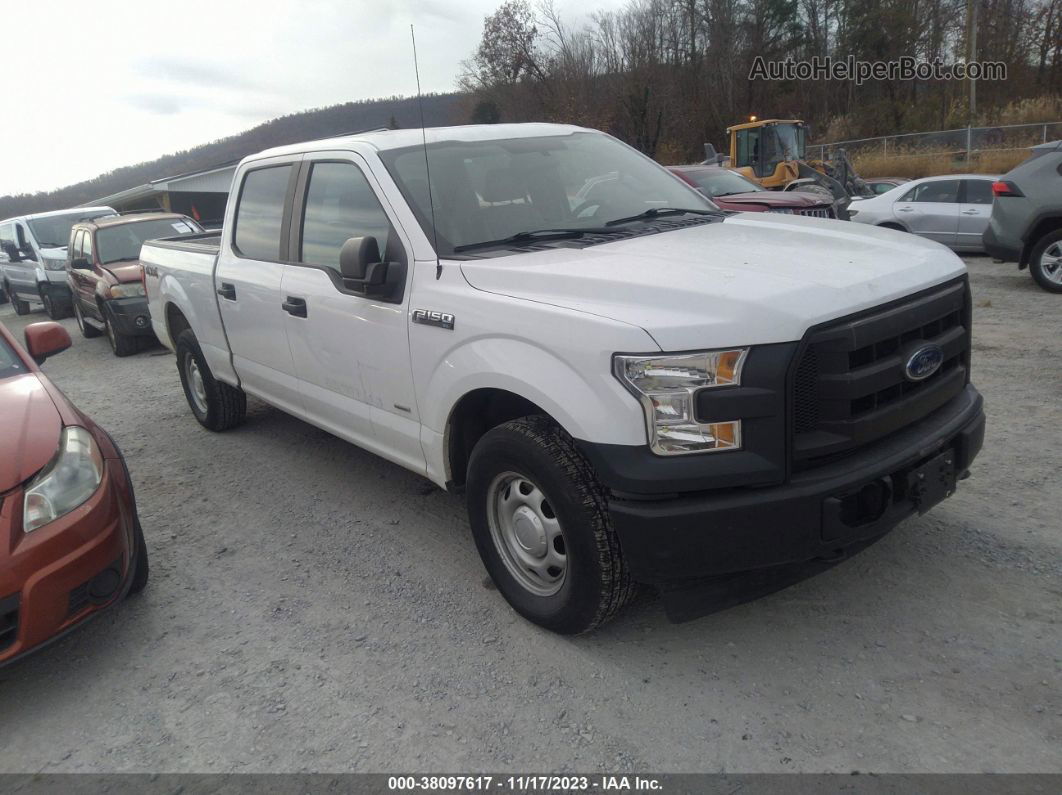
(731, 191)
(70, 540)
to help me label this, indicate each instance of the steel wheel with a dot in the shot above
(526, 533)
(197, 389)
(1051, 263)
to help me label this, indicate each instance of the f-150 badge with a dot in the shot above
(429, 317)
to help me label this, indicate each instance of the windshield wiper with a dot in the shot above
(536, 234)
(657, 212)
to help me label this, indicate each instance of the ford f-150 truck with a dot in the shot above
(628, 385)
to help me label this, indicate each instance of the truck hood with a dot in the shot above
(750, 279)
(32, 428)
(125, 272)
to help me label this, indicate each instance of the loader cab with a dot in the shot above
(764, 150)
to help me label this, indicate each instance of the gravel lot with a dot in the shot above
(314, 608)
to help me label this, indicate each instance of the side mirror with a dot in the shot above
(46, 339)
(360, 266)
(81, 263)
(26, 253)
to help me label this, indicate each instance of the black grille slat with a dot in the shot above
(849, 387)
(8, 620)
(79, 597)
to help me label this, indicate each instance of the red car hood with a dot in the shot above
(125, 272)
(773, 198)
(29, 430)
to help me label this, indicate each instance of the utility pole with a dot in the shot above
(971, 55)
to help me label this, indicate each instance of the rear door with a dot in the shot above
(351, 351)
(974, 212)
(931, 209)
(247, 281)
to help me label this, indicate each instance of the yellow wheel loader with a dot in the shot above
(773, 153)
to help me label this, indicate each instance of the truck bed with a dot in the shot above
(202, 243)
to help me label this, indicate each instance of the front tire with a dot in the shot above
(1045, 262)
(121, 344)
(21, 307)
(54, 312)
(217, 406)
(141, 568)
(541, 524)
(87, 331)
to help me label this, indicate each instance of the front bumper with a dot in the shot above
(130, 316)
(682, 542)
(54, 579)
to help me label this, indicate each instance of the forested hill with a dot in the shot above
(439, 109)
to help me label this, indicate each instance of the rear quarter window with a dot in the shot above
(260, 212)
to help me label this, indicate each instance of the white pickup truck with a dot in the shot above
(629, 385)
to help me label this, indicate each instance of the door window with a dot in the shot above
(945, 190)
(75, 246)
(260, 213)
(978, 191)
(748, 142)
(340, 204)
(86, 247)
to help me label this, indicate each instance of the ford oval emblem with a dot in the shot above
(923, 361)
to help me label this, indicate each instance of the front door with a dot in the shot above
(931, 210)
(247, 282)
(974, 212)
(351, 351)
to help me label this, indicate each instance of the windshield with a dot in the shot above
(123, 242)
(721, 182)
(10, 364)
(53, 231)
(492, 190)
(791, 141)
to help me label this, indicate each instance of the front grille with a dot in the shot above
(849, 388)
(8, 620)
(818, 212)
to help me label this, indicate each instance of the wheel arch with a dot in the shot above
(1043, 226)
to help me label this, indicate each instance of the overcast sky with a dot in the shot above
(93, 86)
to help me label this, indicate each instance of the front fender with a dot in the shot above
(592, 406)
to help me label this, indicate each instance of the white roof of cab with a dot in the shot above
(399, 139)
(67, 211)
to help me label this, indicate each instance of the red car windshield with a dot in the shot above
(720, 183)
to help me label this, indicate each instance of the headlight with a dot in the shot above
(70, 479)
(666, 387)
(53, 264)
(852, 213)
(131, 290)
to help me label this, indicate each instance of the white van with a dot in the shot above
(33, 258)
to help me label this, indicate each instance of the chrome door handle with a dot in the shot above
(905, 209)
(970, 212)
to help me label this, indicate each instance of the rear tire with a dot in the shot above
(897, 227)
(21, 307)
(541, 524)
(1045, 262)
(217, 406)
(141, 567)
(87, 331)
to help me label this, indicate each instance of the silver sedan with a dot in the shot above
(952, 209)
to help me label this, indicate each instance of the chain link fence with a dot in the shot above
(960, 143)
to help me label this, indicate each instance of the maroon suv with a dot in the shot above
(731, 191)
